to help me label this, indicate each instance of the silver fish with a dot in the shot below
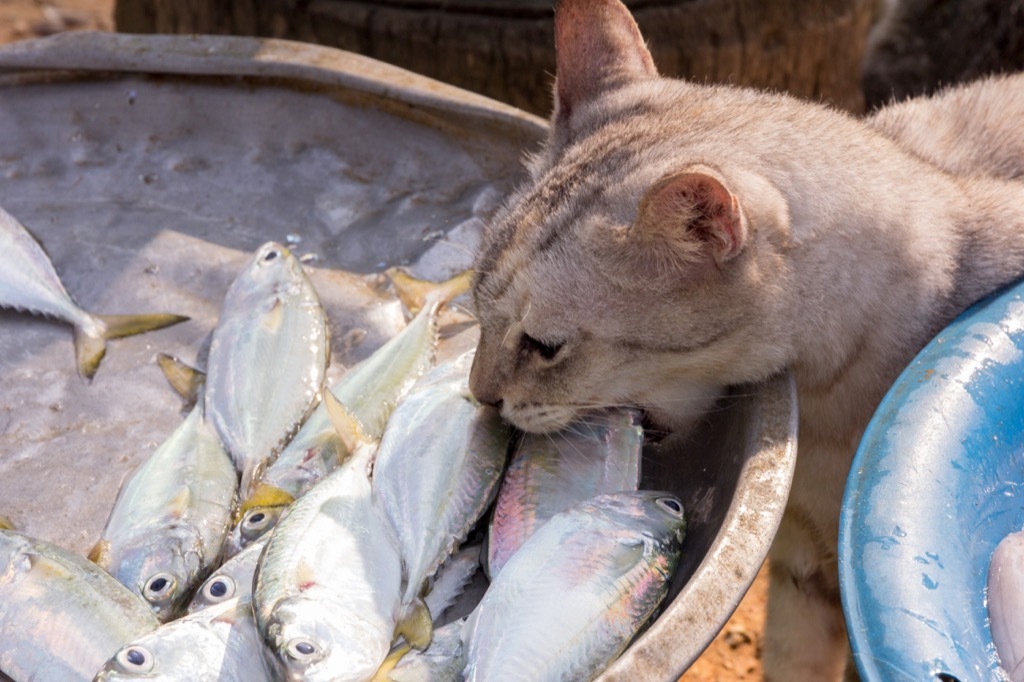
(551, 472)
(370, 391)
(451, 581)
(1006, 604)
(219, 643)
(29, 282)
(437, 470)
(328, 589)
(62, 616)
(170, 517)
(577, 591)
(268, 357)
(233, 580)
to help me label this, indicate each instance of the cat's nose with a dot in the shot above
(484, 388)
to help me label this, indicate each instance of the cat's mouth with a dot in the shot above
(539, 418)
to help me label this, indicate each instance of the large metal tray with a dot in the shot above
(151, 166)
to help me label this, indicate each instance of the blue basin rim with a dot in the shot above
(936, 483)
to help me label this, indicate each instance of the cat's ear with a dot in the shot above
(598, 47)
(693, 216)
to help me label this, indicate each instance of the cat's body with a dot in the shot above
(677, 238)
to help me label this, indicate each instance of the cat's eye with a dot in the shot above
(546, 350)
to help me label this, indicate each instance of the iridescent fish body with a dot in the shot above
(62, 617)
(437, 470)
(328, 588)
(551, 472)
(170, 517)
(578, 590)
(268, 357)
(370, 391)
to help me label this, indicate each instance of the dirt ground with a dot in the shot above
(736, 652)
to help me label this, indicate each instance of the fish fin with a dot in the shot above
(416, 624)
(264, 495)
(89, 351)
(179, 504)
(345, 423)
(119, 326)
(383, 673)
(186, 381)
(626, 556)
(100, 554)
(91, 347)
(416, 293)
(6, 524)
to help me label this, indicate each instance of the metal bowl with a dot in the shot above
(937, 482)
(151, 166)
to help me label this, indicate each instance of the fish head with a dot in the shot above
(183, 650)
(310, 642)
(162, 569)
(659, 513)
(273, 273)
(254, 523)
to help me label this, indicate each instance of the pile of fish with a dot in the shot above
(296, 531)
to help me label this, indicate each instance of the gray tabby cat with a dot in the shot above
(675, 238)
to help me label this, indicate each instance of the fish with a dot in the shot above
(170, 517)
(62, 616)
(218, 643)
(579, 589)
(451, 580)
(30, 283)
(328, 588)
(268, 359)
(551, 472)
(442, 661)
(1006, 604)
(370, 391)
(437, 470)
(232, 580)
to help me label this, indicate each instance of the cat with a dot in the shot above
(674, 238)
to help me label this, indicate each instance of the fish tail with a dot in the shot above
(415, 624)
(186, 381)
(91, 342)
(383, 673)
(417, 293)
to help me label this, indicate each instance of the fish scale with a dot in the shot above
(267, 361)
(577, 591)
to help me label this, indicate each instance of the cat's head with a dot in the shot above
(625, 271)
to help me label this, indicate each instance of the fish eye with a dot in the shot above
(159, 587)
(671, 505)
(303, 650)
(219, 589)
(134, 659)
(256, 522)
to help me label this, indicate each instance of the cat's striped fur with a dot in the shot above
(676, 238)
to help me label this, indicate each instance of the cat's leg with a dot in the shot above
(805, 634)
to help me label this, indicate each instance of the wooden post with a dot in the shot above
(504, 48)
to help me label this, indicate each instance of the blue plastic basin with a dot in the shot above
(935, 485)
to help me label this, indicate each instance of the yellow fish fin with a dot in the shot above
(415, 293)
(345, 423)
(100, 554)
(416, 625)
(384, 671)
(91, 347)
(185, 380)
